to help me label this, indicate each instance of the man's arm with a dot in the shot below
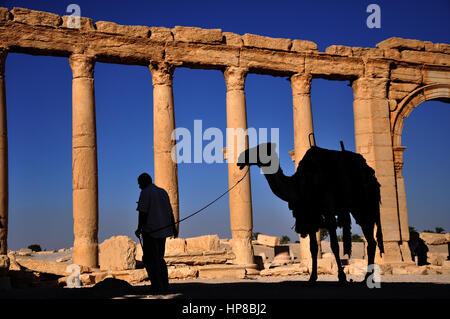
(143, 208)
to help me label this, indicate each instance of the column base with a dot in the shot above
(394, 252)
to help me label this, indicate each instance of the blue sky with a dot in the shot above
(40, 133)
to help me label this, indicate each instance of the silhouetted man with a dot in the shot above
(156, 223)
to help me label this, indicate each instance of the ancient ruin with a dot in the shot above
(388, 82)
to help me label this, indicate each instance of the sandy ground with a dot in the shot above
(290, 287)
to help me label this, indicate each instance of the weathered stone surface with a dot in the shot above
(435, 76)
(266, 240)
(161, 34)
(222, 271)
(233, 39)
(393, 54)
(117, 253)
(47, 267)
(131, 276)
(175, 246)
(398, 91)
(210, 55)
(290, 270)
(4, 264)
(197, 35)
(202, 243)
(367, 52)
(303, 46)
(269, 62)
(436, 259)
(128, 30)
(377, 68)
(33, 17)
(437, 47)
(258, 41)
(401, 44)
(406, 74)
(435, 239)
(426, 57)
(334, 67)
(86, 24)
(182, 272)
(369, 88)
(325, 266)
(4, 14)
(339, 50)
(13, 265)
(200, 258)
(356, 267)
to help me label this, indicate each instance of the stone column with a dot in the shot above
(303, 126)
(401, 200)
(3, 159)
(240, 197)
(166, 174)
(373, 141)
(84, 162)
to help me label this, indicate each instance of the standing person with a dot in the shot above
(156, 223)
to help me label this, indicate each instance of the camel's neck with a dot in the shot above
(281, 185)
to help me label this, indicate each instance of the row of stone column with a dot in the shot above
(372, 137)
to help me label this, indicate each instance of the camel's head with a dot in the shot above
(264, 155)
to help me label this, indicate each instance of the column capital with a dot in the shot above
(301, 83)
(235, 77)
(3, 55)
(398, 159)
(82, 65)
(370, 88)
(162, 73)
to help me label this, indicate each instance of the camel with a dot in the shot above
(326, 187)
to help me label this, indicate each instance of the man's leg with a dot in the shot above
(162, 264)
(150, 259)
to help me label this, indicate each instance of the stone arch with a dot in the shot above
(440, 92)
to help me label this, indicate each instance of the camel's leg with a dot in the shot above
(313, 247)
(371, 246)
(335, 248)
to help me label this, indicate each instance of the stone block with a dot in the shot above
(303, 46)
(161, 34)
(406, 74)
(435, 76)
(393, 54)
(435, 239)
(202, 243)
(182, 272)
(335, 67)
(197, 35)
(437, 47)
(367, 52)
(426, 57)
(128, 30)
(175, 246)
(369, 88)
(233, 39)
(131, 276)
(339, 50)
(266, 240)
(139, 252)
(272, 62)
(86, 24)
(117, 253)
(401, 44)
(4, 14)
(33, 17)
(398, 91)
(222, 271)
(194, 54)
(377, 68)
(258, 41)
(290, 270)
(48, 267)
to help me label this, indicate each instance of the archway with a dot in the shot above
(439, 92)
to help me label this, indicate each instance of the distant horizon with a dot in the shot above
(39, 106)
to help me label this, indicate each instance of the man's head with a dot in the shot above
(144, 180)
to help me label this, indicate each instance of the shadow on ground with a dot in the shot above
(242, 290)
